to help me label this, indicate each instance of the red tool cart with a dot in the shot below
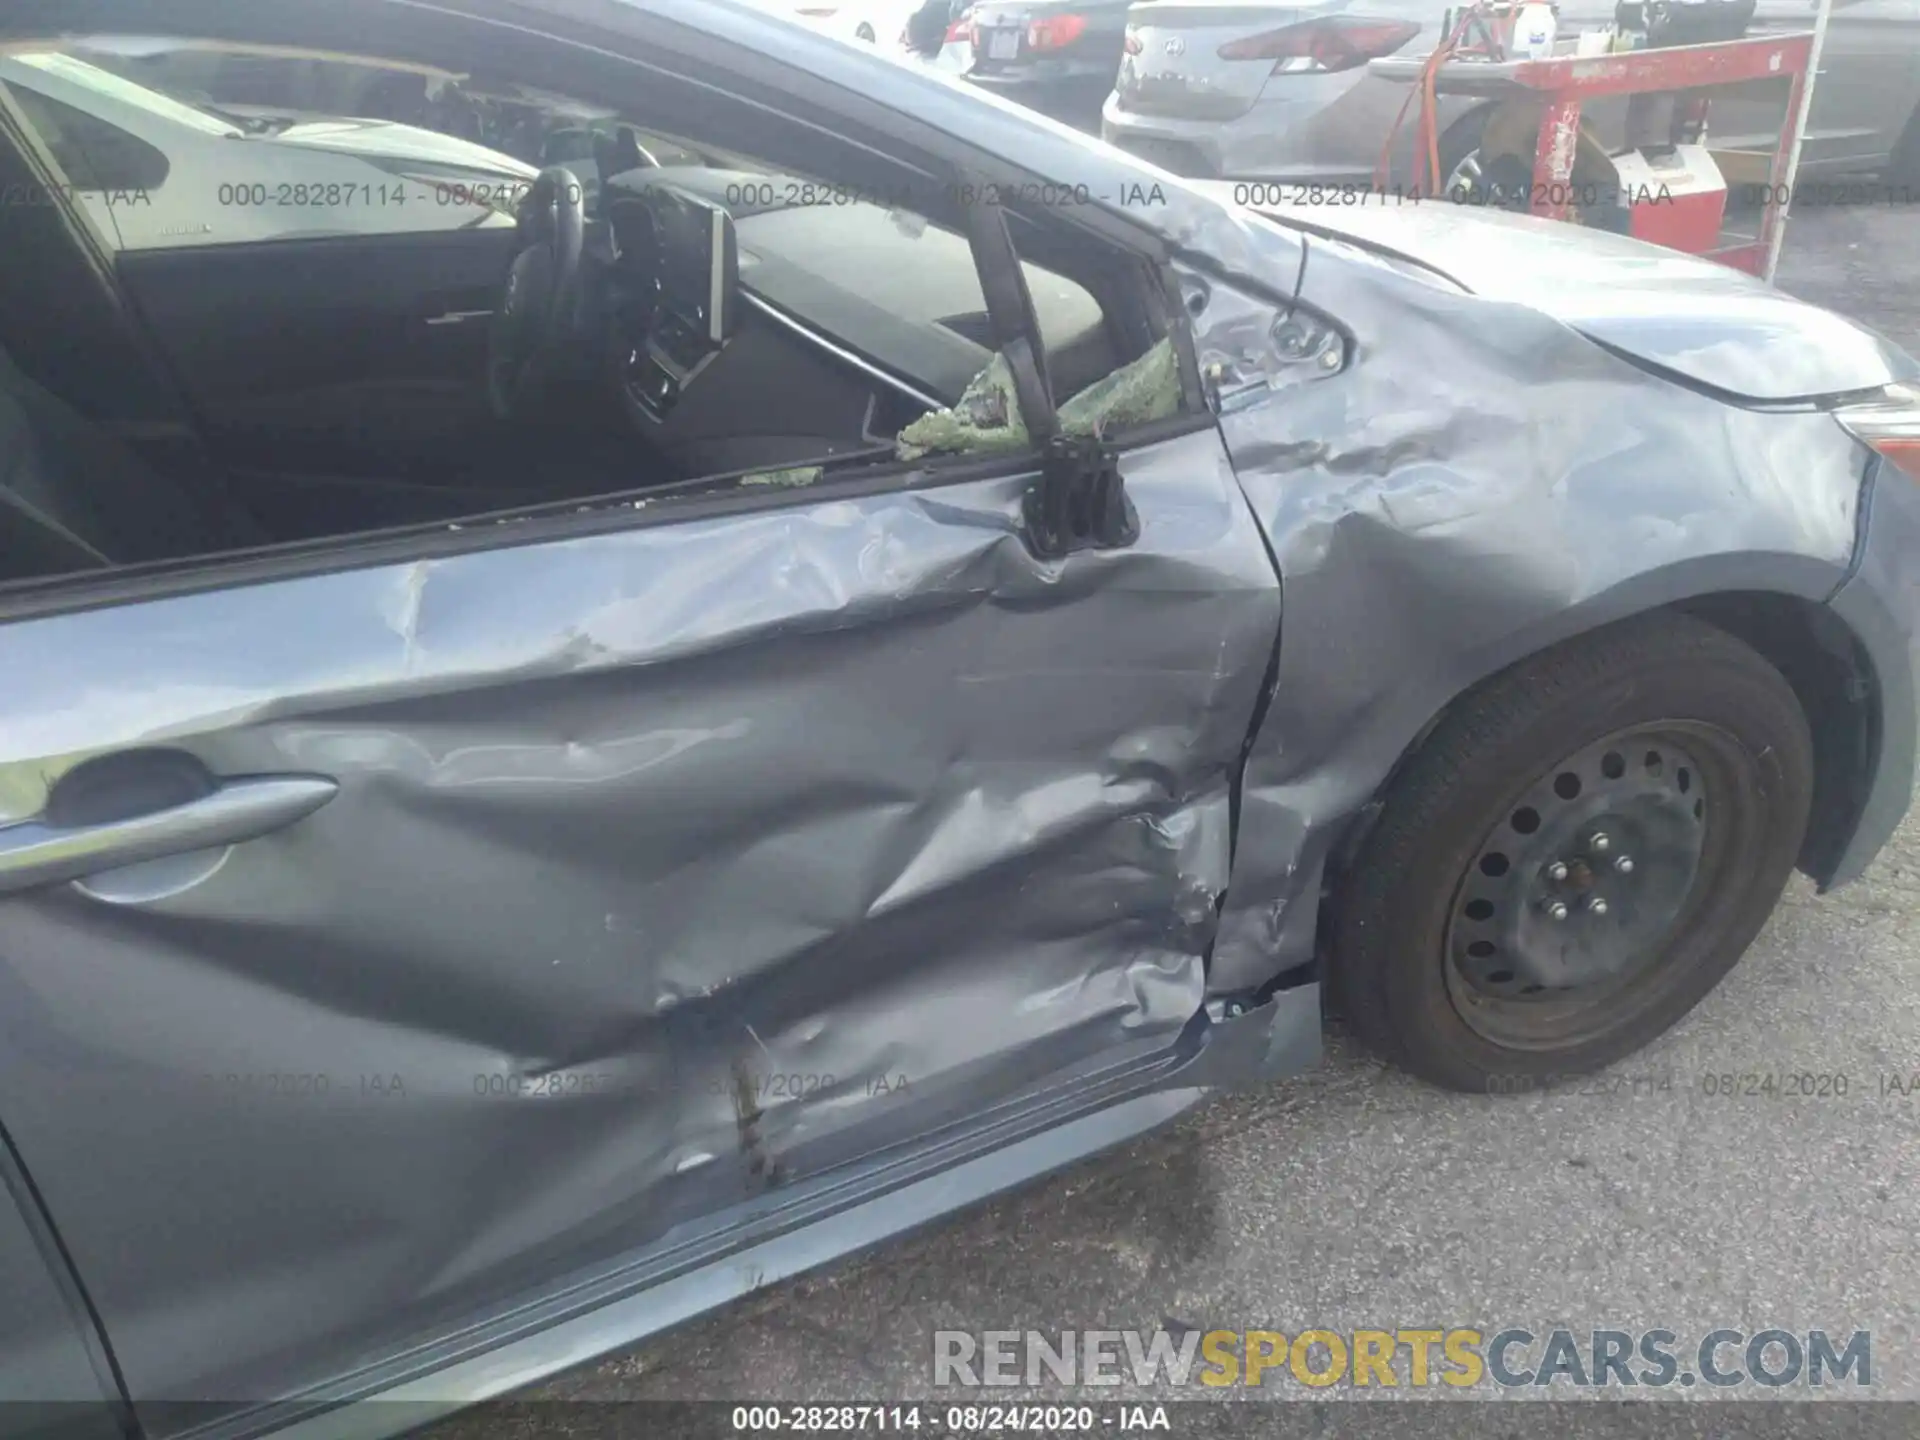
(1678, 200)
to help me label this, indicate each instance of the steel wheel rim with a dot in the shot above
(1575, 895)
(1474, 182)
(1463, 184)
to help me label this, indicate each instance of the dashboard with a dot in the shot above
(686, 270)
(851, 318)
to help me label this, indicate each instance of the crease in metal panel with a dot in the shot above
(668, 869)
(1478, 482)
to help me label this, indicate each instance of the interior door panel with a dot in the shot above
(350, 372)
(300, 331)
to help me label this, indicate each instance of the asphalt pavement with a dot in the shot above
(1355, 1197)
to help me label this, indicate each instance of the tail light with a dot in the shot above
(1338, 42)
(1891, 425)
(1055, 32)
(960, 32)
(1135, 45)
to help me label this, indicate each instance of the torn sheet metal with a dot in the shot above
(1479, 482)
(668, 868)
(793, 477)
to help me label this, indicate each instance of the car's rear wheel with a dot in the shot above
(1575, 857)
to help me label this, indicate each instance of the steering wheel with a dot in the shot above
(540, 315)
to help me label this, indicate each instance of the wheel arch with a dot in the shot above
(1840, 692)
(1779, 610)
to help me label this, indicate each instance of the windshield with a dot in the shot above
(408, 144)
(115, 87)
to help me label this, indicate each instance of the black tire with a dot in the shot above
(1395, 913)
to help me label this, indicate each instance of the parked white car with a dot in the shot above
(871, 22)
(956, 56)
(153, 171)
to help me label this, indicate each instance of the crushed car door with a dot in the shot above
(389, 941)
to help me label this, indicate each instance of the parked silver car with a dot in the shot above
(1281, 91)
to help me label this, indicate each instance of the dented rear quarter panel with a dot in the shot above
(1480, 482)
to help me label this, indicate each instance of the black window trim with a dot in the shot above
(718, 497)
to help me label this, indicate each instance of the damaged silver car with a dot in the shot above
(554, 773)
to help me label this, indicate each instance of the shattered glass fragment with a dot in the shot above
(987, 416)
(794, 476)
(1135, 394)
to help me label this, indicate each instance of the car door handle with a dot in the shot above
(34, 853)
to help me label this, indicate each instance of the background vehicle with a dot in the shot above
(870, 22)
(1056, 56)
(955, 53)
(1262, 90)
(155, 170)
(393, 113)
(555, 774)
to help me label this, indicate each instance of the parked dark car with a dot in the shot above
(554, 773)
(1059, 57)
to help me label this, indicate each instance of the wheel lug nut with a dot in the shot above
(1600, 844)
(1557, 910)
(1557, 871)
(1624, 864)
(1596, 906)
